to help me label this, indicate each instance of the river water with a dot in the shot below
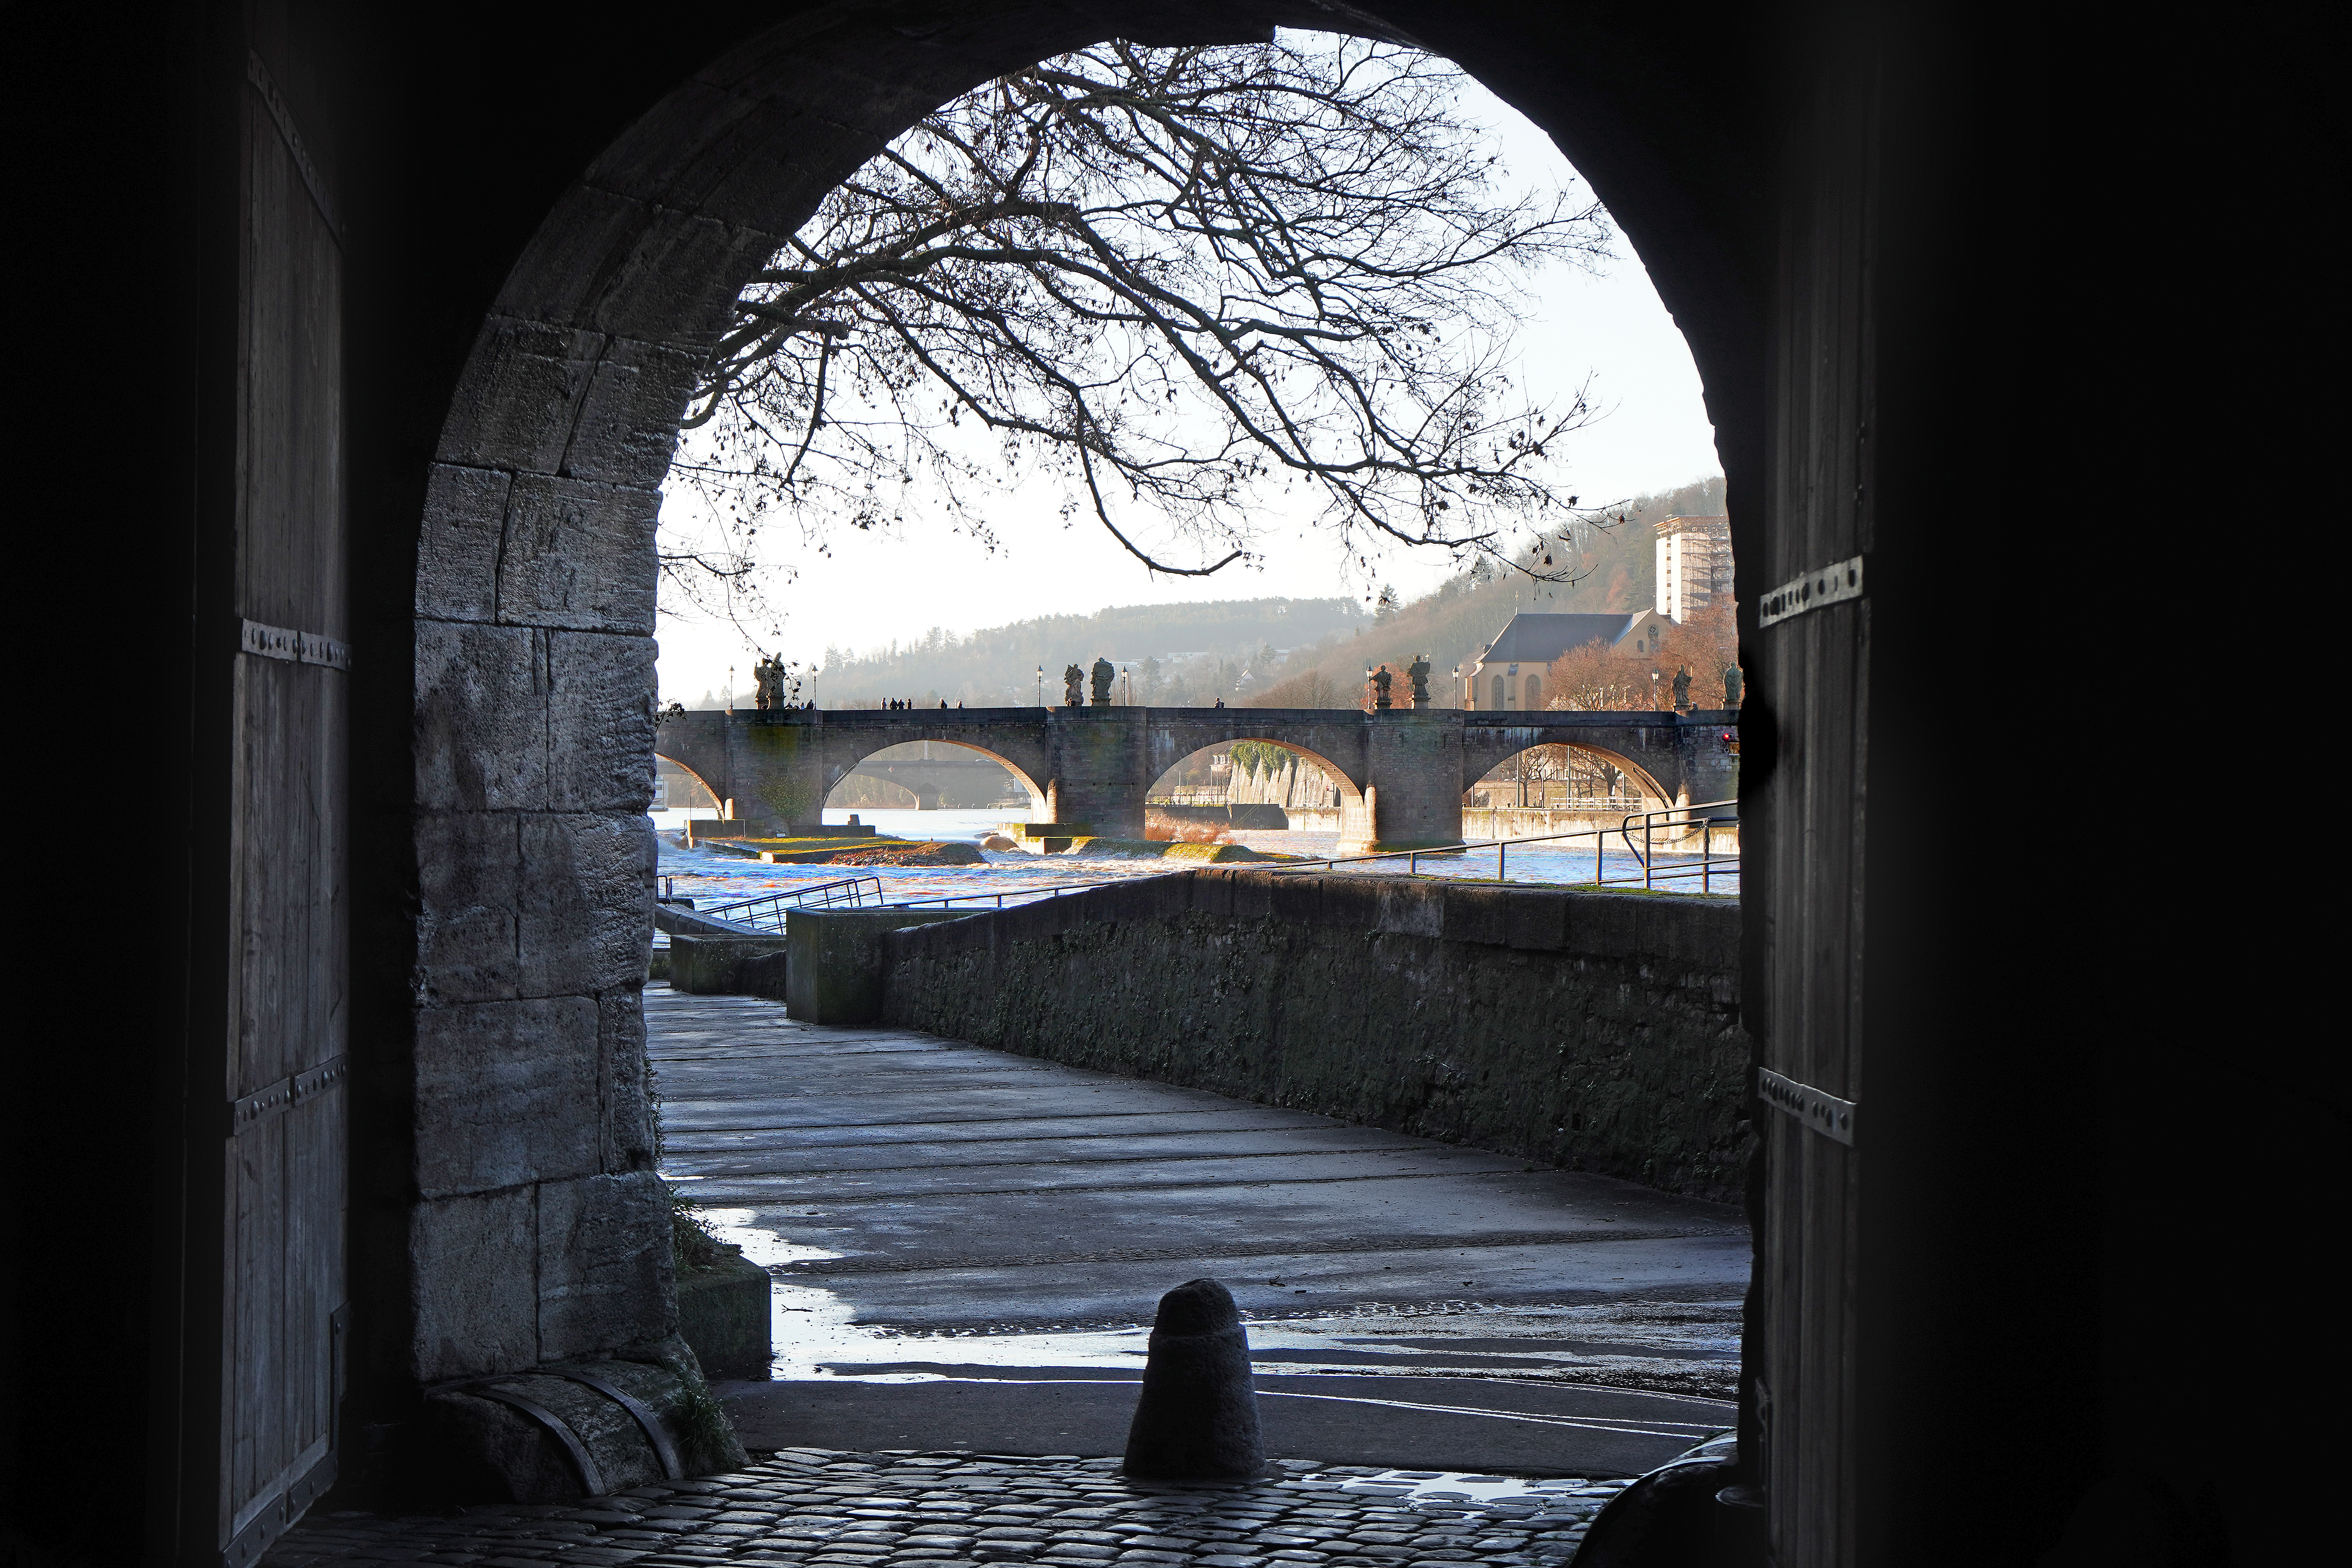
(712, 875)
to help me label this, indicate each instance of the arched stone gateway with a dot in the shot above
(535, 591)
(418, 293)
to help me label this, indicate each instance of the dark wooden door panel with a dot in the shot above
(284, 1157)
(1811, 653)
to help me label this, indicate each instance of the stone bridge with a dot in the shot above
(1401, 772)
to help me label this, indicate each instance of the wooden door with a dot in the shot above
(1811, 652)
(283, 1157)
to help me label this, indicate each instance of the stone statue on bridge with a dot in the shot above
(1682, 689)
(1419, 670)
(768, 678)
(1731, 687)
(1103, 675)
(1073, 679)
(1381, 680)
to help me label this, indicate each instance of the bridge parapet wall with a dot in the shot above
(1592, 1031)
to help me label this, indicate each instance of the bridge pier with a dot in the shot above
(1412, 793)
(1101, 768)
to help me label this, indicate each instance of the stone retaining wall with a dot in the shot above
(1594, 1031)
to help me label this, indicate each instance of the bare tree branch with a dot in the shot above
(1163, 284)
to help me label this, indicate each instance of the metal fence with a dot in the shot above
(767, 912)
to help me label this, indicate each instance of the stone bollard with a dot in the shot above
(1197, 1419)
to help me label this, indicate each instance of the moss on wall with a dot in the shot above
(1583, 1050)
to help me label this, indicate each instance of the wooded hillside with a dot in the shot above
(1287, 653)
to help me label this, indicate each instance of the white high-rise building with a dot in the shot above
(1693, 564)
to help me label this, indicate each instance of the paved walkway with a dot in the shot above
(864, 1510)
(967, 1244)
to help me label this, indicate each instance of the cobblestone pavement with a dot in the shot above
(867, 1510)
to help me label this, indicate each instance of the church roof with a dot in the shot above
(1539, 640)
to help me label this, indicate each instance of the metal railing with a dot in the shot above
(1055, 890)
(1681, 822)
(1188, 794)
(1619, 803)
(767, 912)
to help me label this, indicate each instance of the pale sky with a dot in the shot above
(872, 589)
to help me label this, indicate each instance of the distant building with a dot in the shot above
(1693, 564)
(1510, 673)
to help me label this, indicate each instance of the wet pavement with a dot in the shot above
(967, 1247)
(862, 1510)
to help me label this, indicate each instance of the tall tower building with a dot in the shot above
(1693, 564)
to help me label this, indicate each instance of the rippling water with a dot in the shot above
(709, 876)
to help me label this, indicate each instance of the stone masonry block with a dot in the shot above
(519, 396)
(641, 297)
(468, 866)
(1606, 925)
(1296, 900)
(1411, 908)
(600, 721)
(1536, 919)
(579, 245)
(1213, 892)
(1477, 914)
(1353, 902)
(1703, 931)
(472, 1294)
(628, 421)
(579, 554)
(585, 903)
(628, 1103)
(481, 717)
(605, 1269)
(642, 168)
(1252, 896)
(507, 1092)
(458, 552)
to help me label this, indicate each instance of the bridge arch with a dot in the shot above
(1646, 782)
(1349, 792)
(717, 794)
(844, 762)
(1354, 805)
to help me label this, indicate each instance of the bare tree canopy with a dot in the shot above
(1166, 286)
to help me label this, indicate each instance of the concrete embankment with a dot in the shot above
(1591, 1031)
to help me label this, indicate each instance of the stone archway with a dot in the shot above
(1350, 810)
(535, 596)
(839, 769)
(1644, 782)
(687, 769)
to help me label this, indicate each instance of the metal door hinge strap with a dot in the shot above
(287, 1092)
(647, 1422)
(281, 115)
(1840, 580)
(295, 647)
(1824, 1113)
(590, 1476)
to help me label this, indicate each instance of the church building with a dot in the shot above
(1510, 673)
